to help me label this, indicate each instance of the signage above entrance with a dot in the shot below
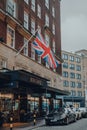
(35, 80)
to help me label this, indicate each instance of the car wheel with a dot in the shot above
(67, 121)
(74, 119)
(46, 123)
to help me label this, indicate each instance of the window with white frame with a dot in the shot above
(39, 27)
(53, 11)
(78, 76)
(71, 58)
(65, 56)
(47, 39)
(10, 37)
(65, 65)
(33, 5)
(72, 84)
(26, 20)
(54, 49)
(65, 74)
(79, 93)
(38, 11)
(33, 26)
(32, 53)
(46, 20)
(11, 7)
(26, 47)
(73, 93)
(47, 3)
(26, 1)
(78, 60)
(79, 84)
(3, 63)
(66, 83)
(39, 59)
(53, 28)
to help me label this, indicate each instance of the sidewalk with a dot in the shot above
(25, 126)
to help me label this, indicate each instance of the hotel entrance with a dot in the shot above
(24, 93)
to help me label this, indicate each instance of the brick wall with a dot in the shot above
(26, 63)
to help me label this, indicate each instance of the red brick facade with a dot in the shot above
(21, 33)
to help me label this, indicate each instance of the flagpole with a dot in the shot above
(26, 43)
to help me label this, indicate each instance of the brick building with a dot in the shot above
(27, 82)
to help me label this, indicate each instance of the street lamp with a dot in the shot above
(85, 92)
(85, 78)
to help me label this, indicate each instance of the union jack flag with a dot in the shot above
(44, 51)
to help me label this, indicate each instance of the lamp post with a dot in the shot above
(85, 92)
(84, 78)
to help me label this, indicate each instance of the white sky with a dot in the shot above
(73, 25)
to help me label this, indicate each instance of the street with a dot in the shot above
(79, 125)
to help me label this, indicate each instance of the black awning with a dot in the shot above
(57, 91)
(36, 83)
(25, 76)
(4, 78)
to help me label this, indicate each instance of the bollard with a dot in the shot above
(34, 119)
(11, 123)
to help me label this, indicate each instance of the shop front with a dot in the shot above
(22, 93)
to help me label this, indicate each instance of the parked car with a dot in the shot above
(77, 112)
(60, 116)
(83, 111)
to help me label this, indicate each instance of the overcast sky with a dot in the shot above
(73, 25)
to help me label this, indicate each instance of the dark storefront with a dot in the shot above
(22, 93)
(75, 101)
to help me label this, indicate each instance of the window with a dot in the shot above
(79, 93)
(38, 11)
(65, 56)
(65, 74)
(65, 83)
(72, 84)
(65, 65)
(26, 20)
(79, 85)
(78, 60)
(26, 47)
(39, 28)
(11, 7)
(71, 58)
(33, 5)
(47, 3)
(73, 93)
(3, 63)
(72, 66)
(53, 11)
(78, 67)
(72, 75)
(54, 48)
(78, 76)
(47, 20)
(33, 26)
(39, 59)
(32, 53)
(26, 1)
(53, 29)
(47, 39)
(10, 37)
